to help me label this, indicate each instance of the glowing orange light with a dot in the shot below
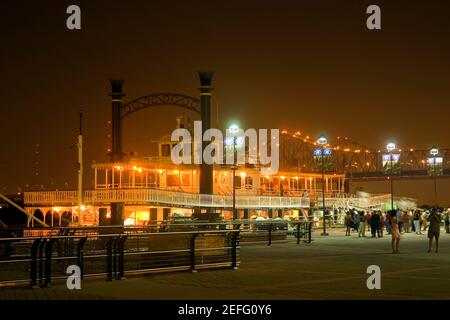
(138, 169)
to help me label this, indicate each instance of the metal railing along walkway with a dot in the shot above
(39, 260)
(115, 251)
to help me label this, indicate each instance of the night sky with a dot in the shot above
(311, 66)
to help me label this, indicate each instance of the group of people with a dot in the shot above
(396, 222)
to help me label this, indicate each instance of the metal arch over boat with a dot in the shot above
(160, 99)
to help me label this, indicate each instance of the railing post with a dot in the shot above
(115, 256)
(41, 260)
(48, 261)
(298, 232)
(33, 266)
(109, 259)
(234, 241)
(121, 257)
(309, 232)
(80, 254)
(270, 234)
(192, 251)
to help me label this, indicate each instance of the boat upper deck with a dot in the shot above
(161, 197)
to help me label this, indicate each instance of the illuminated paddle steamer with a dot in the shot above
(153, 189)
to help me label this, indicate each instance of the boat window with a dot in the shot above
(237, 182)
(248, 182)
(165, 150)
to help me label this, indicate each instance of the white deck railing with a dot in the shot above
(164, 197)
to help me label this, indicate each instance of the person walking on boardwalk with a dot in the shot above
(368, 221)
(434, 228)
(375, 224)
(388, 221)
(395, 232)
(447, 221)
(405, 218)
(362, 224)
(416, 221)
(356, 221)
(424, 221)
(381, 224)
(348, 223)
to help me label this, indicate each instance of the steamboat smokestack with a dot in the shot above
(116, 134)
(206, 171)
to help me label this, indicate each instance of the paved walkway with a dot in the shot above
(331, 267)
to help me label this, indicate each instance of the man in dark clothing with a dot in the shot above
(434, 229)
(375, 224)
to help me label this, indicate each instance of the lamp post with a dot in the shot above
(80, 169)
(322, 140)
(234, 129)
(434, 152)
(391, 147)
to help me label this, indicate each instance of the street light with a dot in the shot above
(434, 152)
(391, 147)
(234, 129)
(322, 140)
